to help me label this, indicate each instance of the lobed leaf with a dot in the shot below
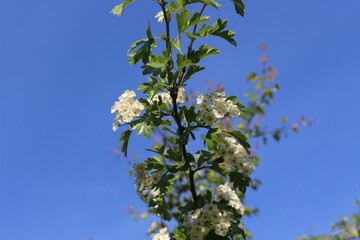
(217, 29)
(239, 7)
(119, 9)
(239, 180)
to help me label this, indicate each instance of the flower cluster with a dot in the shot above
(162, 235)
(235, 155)
(214, 105)
(208, 215)
(144, 180)
(166, 98)
(227, 193)
(126, 108)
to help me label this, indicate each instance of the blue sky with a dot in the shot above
(63, 64)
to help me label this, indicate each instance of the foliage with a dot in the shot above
(217, 175)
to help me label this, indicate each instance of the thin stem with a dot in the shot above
(174, 94)
(167, 23)
(180, 131)
(167, 39)
(191, 44)
(194, 29)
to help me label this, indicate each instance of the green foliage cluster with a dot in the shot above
(169, 72)
(177, 170)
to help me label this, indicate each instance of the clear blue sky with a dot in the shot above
(63, 63)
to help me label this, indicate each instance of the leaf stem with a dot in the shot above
(194, 29)
(191, 44)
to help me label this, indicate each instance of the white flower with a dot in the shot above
(153, 227)
(127, 94)
(166, 98)
(225, 192)
(196, 214)
(126, 108)
(115, 126)
(218, 95)
(181, 95)
(209, 118)
(160, 16)
(230, 140)
(200, 99)
(234, 111)
(221, 229)
(216, 103)
(162, 235)
(235, 155)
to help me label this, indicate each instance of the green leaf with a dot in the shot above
(204, 30)
(137, 43)
(159, 151)
(218, 169)
(204, 51)
(150, 88)
(157, 61)
(207, 2)
(179, 234)
(196, 19)
(173, 8)
(182, 61)
(184, 138)
(192, 70)
(192, 36)
(231, 98)
(204, 199)
(217, 30)
(276, 135)
(205, 156)
(252, 77)
(239, 180)
(144, 51)
(239, 7)
(189, 158)
(182, 20)
(153, 70)
(239, 230)
(142, 127)
(190, 115)
(161, 207)
(177, 43)
(168, 130)
(165, 183)
(211, 138)
(283, 120)
(124, 138)
(184, 23)
(156, 66)
(119, 9)
(154, 164)
(174, 155)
